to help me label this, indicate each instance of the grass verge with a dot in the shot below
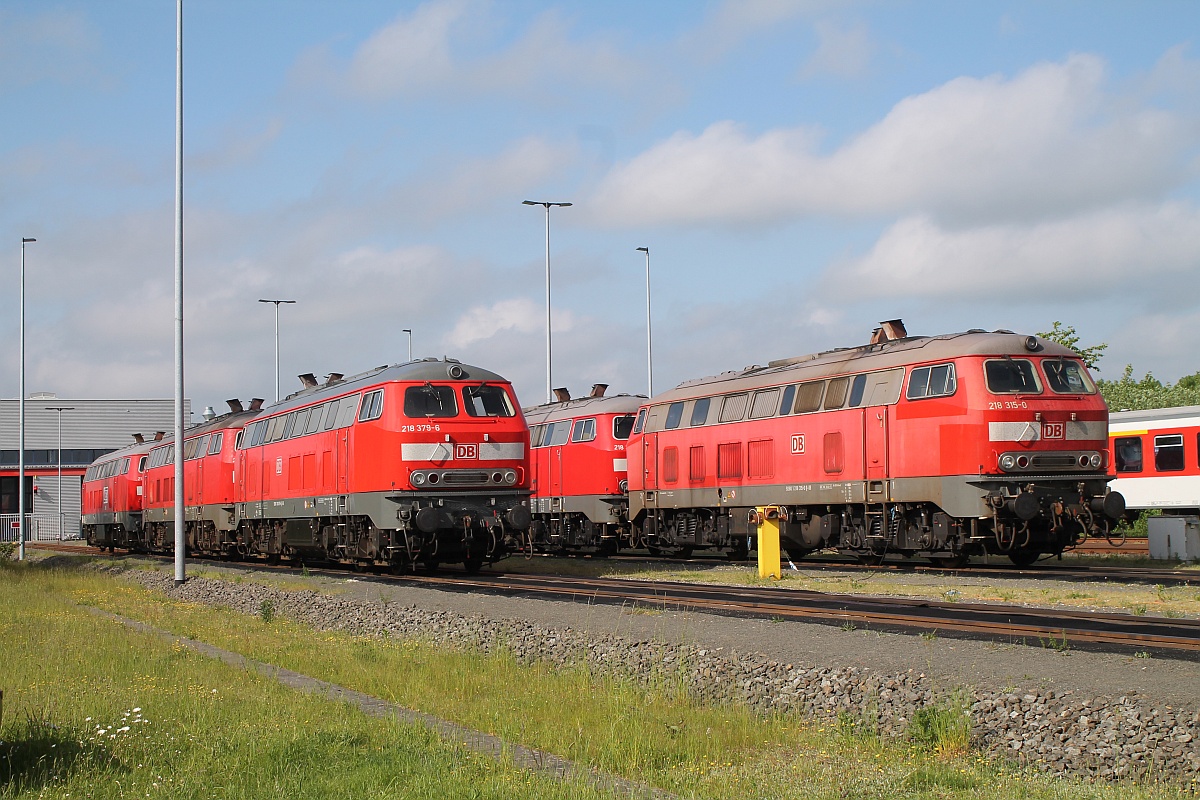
(651, 733)
(93, 709)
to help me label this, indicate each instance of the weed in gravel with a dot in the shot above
(266, 610)
(1058, 645)
(849, 626)
(1139, 609)
(944, 728)
(929, 636)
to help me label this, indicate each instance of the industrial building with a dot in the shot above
(62, 437)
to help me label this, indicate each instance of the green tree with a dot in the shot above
(1067, 337)
(1128, 394)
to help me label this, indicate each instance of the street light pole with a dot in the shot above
(21, 422)
(409, 332)
(180, 538)
(549, 379)
(277, 302)
(58, 488)
(649, 336)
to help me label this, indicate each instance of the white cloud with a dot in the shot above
(1130, 248)
(412, 51)
(520, 314)
(732, 22)
(843, 52)
(1051, 140)
(56, 45)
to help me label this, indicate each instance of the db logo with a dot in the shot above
(1054, 430)
(466, 451)
(797, 444)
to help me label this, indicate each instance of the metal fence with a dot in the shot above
(38, 528)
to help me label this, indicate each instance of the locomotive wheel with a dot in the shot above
(1023, 558)
(950, 562)
(473, 564)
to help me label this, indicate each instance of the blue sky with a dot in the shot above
(799, 171)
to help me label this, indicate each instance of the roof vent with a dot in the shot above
(598, 389)
(888, 331)
(256, 403)
(562, 395)
(209, 414)
(332, 378)
(158, 435)
(308, 380)
(235, 406)
(137, 437)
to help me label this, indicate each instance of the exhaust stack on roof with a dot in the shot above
(562, 395)
(888, 331)
(256, 404)
(598, 389)
(308, 380)
(334, 377)
(137, 437)
(158, 435)
(235, 405)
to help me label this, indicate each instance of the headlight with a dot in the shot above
(418, 478)
(1095, 460)
(510, 477)
(1007, 462)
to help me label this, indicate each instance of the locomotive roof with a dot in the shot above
(425, 369)
(615, 404)
(127, 451)
(870, 357)
(230, 419)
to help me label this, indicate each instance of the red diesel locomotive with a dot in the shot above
(941, 447)
(424, 462)
(578, 464)
(111, 497)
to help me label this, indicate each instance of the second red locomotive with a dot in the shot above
(942, 447)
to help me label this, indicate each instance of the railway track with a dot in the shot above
(1056, 628)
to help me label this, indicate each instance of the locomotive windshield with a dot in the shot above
(429, 401)
(622, 426)
(1012, 376)
(1066, 377)
(486, 401)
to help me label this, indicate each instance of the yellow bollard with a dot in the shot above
(768, 543)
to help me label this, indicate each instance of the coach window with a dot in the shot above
(331, 412)
(765, 403)
(584, 430)
(1168, 453)
(622, 426)
(808, 396)
(372, 406)
(674, 415)
(700, 411)
(215, 446)
(314, 419)
(835, 395)
(429, 401)
(1127, 452)
(789, 397)
(1067, 377)
(346, 411)
(487, 401)
(300, 423)
(640, 422)
(936, 381)
(559, 437)
(858, 387)
(733, 407)
(535, 435)
(1011, 376)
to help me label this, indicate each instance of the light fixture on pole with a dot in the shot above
(58, 486)
(649, 336)
(409, 332)
(549, 380)
(21, 422)
(277, 302)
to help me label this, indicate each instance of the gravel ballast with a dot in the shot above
(1059, 732)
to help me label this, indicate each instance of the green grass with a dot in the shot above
(93, 709)
(648, 732)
